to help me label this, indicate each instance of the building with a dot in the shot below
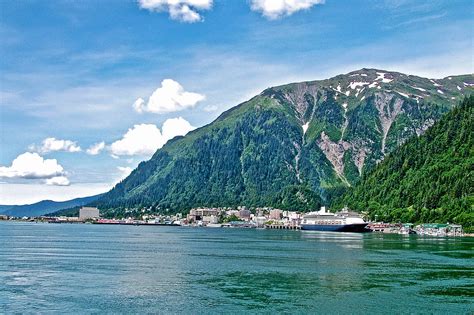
(88, 213)
(292, 217)
(275, 214)
(244, 214)
(232, 212)
(210, 219)
(260, 220)
(198, 214)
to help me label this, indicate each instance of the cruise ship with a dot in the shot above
(343, 221)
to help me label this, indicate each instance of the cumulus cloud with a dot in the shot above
(175, 127)
(142, 139)
(145, 139)
(170, 97)
(180, 10)
(139, 105)
(58, 181)
(53, 144)
(96, 148)
(274, 9)
(32, 165)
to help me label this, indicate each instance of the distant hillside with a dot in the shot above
(428, 179)
(290, 145)
(67, 212)
(45, 206)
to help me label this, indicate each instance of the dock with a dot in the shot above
(282, 227)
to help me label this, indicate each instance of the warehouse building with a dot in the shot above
(88, 213)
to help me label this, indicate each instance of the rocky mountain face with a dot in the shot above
(291, 144)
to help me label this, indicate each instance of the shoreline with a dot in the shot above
(223, 227)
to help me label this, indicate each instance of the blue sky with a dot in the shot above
(73, 70)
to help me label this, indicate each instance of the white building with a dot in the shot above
(88, 213)
(260, 221)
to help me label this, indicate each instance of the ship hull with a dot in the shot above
(355, 228)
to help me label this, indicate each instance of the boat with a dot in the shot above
(214, 225)
(344, 221)
(407, 229)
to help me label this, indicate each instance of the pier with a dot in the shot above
(282, 227)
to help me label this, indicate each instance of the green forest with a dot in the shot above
(428, 179)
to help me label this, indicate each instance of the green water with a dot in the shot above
(62, 268)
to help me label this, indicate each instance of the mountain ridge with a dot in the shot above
(45, 206)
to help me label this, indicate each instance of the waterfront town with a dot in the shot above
(241, 217)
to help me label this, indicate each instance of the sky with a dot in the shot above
(89, 89)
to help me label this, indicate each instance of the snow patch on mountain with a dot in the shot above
(373, 84)
(403, 94)
(381, 76)
(434, 83)
(305, 127)
(354, 85)
(419, 89)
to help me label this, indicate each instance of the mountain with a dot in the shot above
(45, 206)
(292, 146)
(428, 179)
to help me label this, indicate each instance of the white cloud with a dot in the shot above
(170, 97)
(274, 9)
(145, 139)
(96, 148)
(53, 144)
(58, 181)
(139, 105)
(181, 10)
(32, 165)
(142, 139)
(210, 108)
(175, 127)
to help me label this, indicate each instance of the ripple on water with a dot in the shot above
(122, 269)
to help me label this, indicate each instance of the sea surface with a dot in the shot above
(86, 268)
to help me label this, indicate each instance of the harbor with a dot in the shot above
(260, 218)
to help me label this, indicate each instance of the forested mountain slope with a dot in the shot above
(428, 179)
(290, 145)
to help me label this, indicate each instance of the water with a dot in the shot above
(83, 268)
